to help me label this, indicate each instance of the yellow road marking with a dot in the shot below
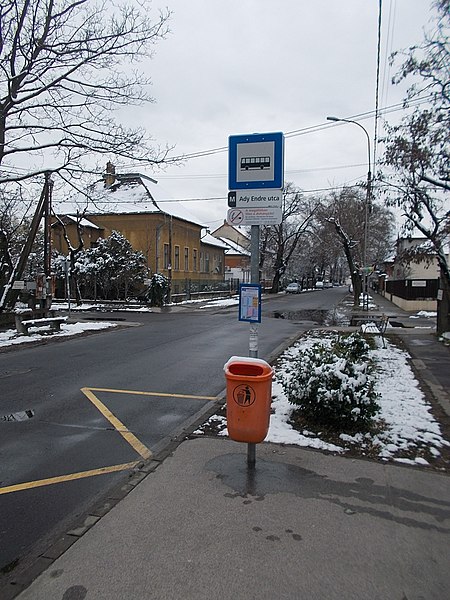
(136, 444)
(62, 478)
(152, 394)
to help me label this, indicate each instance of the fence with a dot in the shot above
(413, 289)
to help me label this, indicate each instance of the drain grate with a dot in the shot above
(22, 415)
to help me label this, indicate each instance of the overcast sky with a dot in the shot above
(245, 66)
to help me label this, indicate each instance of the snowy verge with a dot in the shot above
(407, 431)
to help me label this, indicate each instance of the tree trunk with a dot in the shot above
(443, 308)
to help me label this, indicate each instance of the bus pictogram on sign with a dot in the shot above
(255, 162)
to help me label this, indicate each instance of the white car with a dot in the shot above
(319, 285)
(293, 288)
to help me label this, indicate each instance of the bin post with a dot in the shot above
(251, 455)
(253, 338)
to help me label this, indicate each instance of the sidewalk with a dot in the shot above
(301, 525)
(430, 358)
(197, 524)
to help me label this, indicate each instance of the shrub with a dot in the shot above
(157, 290)
(331, 383)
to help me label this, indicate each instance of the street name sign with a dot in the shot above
(255, 198)
(256, 161)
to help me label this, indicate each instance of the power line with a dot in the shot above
(206, 199)
(316, 128)
(290, 134)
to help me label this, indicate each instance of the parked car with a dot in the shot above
(293, 288)
(327, 284)
(319, 285)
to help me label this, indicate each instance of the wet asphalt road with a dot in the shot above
(150, 377)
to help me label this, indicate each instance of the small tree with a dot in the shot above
(112, 265)
(157, 290)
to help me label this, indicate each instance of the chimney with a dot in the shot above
(110, 174)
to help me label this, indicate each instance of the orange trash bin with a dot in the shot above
(249, 395)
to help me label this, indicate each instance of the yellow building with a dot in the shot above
(169, 238)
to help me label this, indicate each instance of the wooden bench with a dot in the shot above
(24, 325)
(376, 326)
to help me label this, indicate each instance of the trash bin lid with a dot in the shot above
(247, 366)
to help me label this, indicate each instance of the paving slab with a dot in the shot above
(302, 524)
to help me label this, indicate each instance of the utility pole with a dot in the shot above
(169, 265)
(9, 295)
(48, 188)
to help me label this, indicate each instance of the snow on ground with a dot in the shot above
(409, 425)
(223, 302)
(10, 337)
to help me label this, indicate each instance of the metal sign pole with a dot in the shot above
(255, 182)
(254, 270)
(253, 338)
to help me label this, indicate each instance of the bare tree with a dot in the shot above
(13, 227)
(418, 151)
(65, 65)
(280, 242)
(73, 251)
(344, 212)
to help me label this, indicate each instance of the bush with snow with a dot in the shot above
(331, 383)
(157, 290)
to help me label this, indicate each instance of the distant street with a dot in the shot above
(103, 402)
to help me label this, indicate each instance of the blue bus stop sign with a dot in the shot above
(256, 161)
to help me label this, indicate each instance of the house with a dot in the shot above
(89, 230)
(411, 283)
(237, 262)
(237, 253)
(213, 254)
(238, 235)
(164, 231)
(238, 256)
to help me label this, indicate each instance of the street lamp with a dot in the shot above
(366, 215)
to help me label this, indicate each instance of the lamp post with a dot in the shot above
(366, 211)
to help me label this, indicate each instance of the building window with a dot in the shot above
(166, 256)
(177, 258)
(194, 259)
(186, 259)
(206, 262)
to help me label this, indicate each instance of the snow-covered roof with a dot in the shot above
(233, 248)
(136, 193)
(213, 241)
(83, 222)
(241, 231)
